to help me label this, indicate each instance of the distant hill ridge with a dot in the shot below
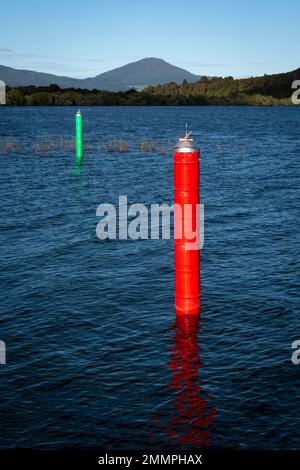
(144, 72)
(268, 90)
(277, 86)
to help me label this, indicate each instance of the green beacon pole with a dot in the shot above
(79, 147)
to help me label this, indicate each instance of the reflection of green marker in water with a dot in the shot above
(79, 149)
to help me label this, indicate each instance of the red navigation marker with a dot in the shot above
(186, 221)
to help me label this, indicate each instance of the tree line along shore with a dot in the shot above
(269, 90)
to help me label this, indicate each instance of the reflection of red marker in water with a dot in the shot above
(187, 416)
(186, 198)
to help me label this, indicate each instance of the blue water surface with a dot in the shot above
(94, 355)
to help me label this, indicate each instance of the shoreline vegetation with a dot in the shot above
(269, 90)
(65, 145)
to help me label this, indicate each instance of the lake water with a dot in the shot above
(94, 355)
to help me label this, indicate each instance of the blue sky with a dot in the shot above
(82, 38)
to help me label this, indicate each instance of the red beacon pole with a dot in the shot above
(186, 213)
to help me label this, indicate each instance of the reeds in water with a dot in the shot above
(56, 146)
(9, 144)
(117, 145)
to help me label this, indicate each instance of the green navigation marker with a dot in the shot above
(79, 146)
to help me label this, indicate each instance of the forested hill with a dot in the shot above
(267, 90)
(256, 90)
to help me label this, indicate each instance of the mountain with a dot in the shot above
(144, 72)
(149, 71)
(13, 78)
